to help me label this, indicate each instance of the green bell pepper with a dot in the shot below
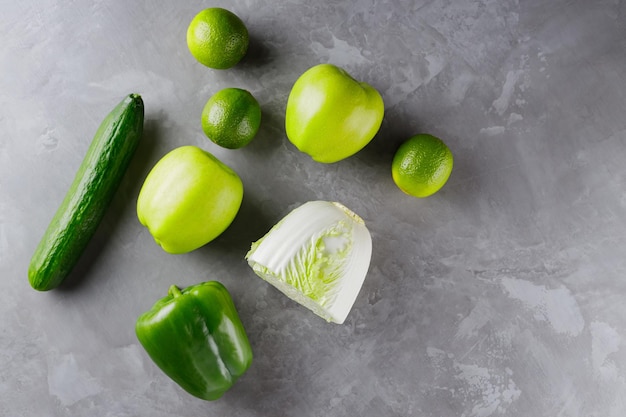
(196, 337)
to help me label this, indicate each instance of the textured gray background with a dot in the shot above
(502, 295)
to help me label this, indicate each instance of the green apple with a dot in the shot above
(330, 115)
(188, 199)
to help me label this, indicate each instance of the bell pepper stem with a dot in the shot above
(174, 291)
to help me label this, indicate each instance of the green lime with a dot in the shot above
(422, 165)
(231, 118)
(217, 38)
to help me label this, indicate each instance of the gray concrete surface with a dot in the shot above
(502, 295)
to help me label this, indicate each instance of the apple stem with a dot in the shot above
(174, 291)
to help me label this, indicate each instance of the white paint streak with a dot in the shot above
(608, 371)
(409, 78)
(605, 340)
(501, 104)
(492, 131)
(341, 53)
(437, 356)
(459, 87)
(515, 117)
(48, 141)
(485, 391)
(555, 306)
(436, 64)
(491, 392)
(68, 382)
(475, 320)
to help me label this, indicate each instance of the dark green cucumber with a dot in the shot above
(86, 202)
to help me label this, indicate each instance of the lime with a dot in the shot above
(422, 165)
(231, 118)
(217, 38)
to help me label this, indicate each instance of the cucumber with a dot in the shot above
(87, 199)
